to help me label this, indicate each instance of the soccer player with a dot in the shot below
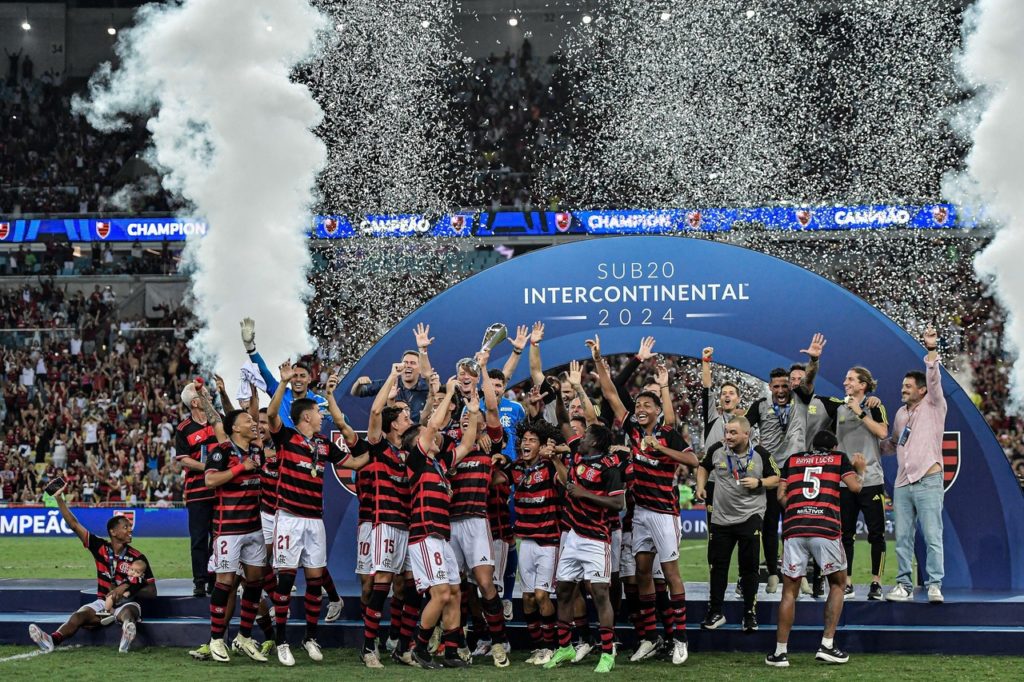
(384, 498)
(812, 529)
(232, 471)
(193, 438)
(593, 485)
(860, 428)
(300, 539)
(299, 382)
(741, 472)
(656, 452)
(782, 427)
(919, 492)
(430, 457)
(114, 559)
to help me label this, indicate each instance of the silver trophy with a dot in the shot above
(494, 335)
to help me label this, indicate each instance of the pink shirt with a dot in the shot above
(927, 422)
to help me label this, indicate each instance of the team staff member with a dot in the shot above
(114, 559)
(413, 387)
(299, 382)
(919, 491)
(782, 427)
(300, 540)
(741, 472)
(192, 440)
(811, 529)
(861, 428)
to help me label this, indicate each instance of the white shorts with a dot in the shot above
(654, 532)
(472, 543)
(433, 563)
(299, 542)
(537, 567)
(381, 548)
(584, 559)
(627, 562)
(796, 552)
(500, 550)
(268, 527)
(616, 550)
(231, 552)
(98, 607)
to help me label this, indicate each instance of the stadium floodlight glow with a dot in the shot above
(587, 18)
(111, 31)
(513, 21)
(25, 26)
(665, 16)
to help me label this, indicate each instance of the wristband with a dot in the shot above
(862, 414)
(707, 359)
(662, 385)
(517, 351)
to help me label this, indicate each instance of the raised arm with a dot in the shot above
(643, 354)
(813, 351)
(536, 368)
(380, 401)
(490, 399)
(576, 381)
(668, 412)
(274, 409)
(423, 341)
(437, 419)
(468, 442)
(69, 517)
(705, 366)
(336, 415)
(607, 387)
(933, 377)
(248, 329)
(225, 399)
(518, 344)
(254, 403)
(212, 415)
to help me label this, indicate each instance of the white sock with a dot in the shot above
(780, 648)
(826, 642)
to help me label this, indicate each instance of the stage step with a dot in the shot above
(189, 632)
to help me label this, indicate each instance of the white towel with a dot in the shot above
(250, 374)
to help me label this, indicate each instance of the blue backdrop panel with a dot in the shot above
(47, 522)
(757, 311)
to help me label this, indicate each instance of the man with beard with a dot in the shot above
(413, 388)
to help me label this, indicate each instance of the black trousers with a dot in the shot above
(200, 530)
(871, 501)
(770, 533)
(722, 540)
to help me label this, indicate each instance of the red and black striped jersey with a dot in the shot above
(563, 507)
(268, 481)
(431, 492)
(112, 567)
(301, 463)
(383, 487)
(625, 460)
(194, 440)
(537, 499)
(600, 475)
(471, 479)
(654, 474)
(812, 494)
(237, 509)
(498, 513)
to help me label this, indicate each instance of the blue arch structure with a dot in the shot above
(756, 311)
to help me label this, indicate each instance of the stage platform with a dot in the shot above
(967, 623)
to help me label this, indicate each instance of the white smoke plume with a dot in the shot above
(231, 134)
(992, 63)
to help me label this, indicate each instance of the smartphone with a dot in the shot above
(54, 485)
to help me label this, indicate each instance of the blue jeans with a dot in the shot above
(915, 503)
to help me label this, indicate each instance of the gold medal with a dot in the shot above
(313, 471)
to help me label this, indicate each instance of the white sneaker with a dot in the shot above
(435, 640)
(805, 587)
(483, 648)
(499, 656)
(391, 645)
(128, 636)
(284, 655)
(372, 660)
(646, 648)
(582, 650)
(543, 656)
(772, 586)
(249, 647)
(313, 649)
(679, 653)
(334, 611)
(42, 639)
(935, 594)
(900, 593)
(506, 608)
(465, 654)
(219, 650)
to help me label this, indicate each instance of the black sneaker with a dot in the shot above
(424, 660)
(818, 588)
(453, 663)
(875, 593)
(712, 621)
(831, 655)
(749, 622)
(777, 660)
(199, 591)
(848, 592)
